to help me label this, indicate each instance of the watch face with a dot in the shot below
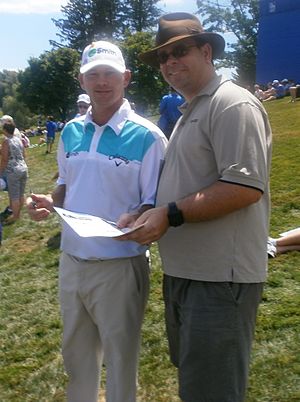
(175, 215)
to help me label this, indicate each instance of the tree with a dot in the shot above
(90, 20)
(147, 85)
(8, 84)
(143, 14)
(49, 85)
(17, 109)
(240, 17)
(115, 20)
(85, 20)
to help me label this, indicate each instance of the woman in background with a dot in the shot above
(14, 168)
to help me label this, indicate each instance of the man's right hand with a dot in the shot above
(39, 206)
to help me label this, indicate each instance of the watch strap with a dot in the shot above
(175, 215)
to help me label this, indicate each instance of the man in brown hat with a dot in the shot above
(211, 215)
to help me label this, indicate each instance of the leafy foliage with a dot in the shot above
(10, 104)
(113, 20)
(16, 108)
(8, 83)
(147, 84)
(89, 20)
(241, 18)
(49, 85)
(143, 14)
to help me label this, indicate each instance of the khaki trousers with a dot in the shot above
(102, 305)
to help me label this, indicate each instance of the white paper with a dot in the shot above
(91, 226)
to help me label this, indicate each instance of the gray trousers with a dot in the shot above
(102, 305)
(210, 329)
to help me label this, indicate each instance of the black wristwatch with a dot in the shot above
(175, 215)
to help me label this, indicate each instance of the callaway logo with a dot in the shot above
(68, 154)
(118, 159)
(92, 52)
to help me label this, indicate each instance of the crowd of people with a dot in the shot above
(277, 90)
(195, 194)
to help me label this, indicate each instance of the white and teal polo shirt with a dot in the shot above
(108, 170)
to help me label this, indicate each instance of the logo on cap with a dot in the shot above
(100, 50)
(102, 53)
(92, 52)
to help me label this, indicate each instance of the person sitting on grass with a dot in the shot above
(288, 242)
(258, 92)
(276, 91)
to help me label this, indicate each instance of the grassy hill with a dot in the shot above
(31, 368)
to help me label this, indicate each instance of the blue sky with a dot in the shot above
(26, 27)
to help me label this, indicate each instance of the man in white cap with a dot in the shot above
(212, 214)
(109, 161)
(83, 103)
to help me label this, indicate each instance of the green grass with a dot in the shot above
(31, 368)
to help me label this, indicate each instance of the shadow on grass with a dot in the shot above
(54, 242)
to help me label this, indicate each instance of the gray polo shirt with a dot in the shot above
(224, 134)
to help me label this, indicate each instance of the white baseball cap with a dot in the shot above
(84, 98)
(102, 53)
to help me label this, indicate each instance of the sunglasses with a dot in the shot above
(177, 52)
(83, 107)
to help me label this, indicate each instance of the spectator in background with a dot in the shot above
(286, 85)
(8, 119)
(25, 140)
(270, 92)
(280, 90)
(169, 112)
(289, 241)
(258, 92)
(3, 184)
(83, 103)
(294, 92)
(276, 91)
(60, 125)
(14, 168)
(51, 128)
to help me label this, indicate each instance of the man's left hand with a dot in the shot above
(155, 224)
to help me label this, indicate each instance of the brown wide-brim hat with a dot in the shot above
(177, 26)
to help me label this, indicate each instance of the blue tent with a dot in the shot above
(278, 42)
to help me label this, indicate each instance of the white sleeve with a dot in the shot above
(61, 161)
(150, 170)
